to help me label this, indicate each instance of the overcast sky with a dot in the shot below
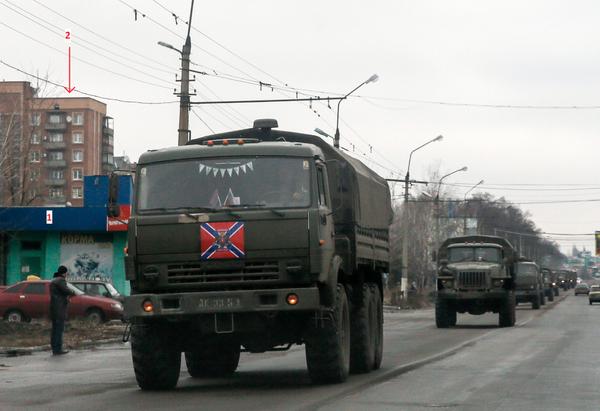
(534, 53)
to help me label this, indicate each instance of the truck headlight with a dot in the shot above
(498, 283)
(447, 283)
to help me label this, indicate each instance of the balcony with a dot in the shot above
(56, 163)
(107, 131)
(55, 182)
(54, 145)
(55, 200)
(56, 126)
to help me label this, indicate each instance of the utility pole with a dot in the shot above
(184, 94)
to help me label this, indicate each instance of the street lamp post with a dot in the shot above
(405, 216)
(336, 139)
(183, 132)
(437, 205)
(465, 206)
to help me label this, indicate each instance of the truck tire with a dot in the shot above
(542, 298)
(556, 292)
(378, 343)
(362, 330)
(214, 360)
(535, 303)
(156, 364)
(551, 295)
(507, 314)
(328, 343)
(444, 316)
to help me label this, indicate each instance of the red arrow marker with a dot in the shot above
(70, 89)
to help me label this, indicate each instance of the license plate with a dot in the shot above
(219, 303)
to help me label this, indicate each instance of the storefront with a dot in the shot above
(84, 239)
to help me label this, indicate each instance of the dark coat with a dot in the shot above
(59, 293)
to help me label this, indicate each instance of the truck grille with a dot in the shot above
(256, 272)
(472, 279)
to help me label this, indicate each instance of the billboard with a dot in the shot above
(597, 236)
(87, 256)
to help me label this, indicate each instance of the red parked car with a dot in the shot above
(31, 299)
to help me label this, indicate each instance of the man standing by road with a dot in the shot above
(59, 299)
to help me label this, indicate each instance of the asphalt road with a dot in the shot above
(548, 361)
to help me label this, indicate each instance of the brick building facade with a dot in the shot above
(47, 146)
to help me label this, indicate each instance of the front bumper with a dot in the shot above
(213, 302)
(526, 295)
(472, 295)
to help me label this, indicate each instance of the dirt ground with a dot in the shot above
(36, 333)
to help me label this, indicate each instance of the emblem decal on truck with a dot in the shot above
(224, 240)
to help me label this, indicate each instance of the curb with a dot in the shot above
(19, 351)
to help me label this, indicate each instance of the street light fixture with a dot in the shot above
(465, 168)
(471, 189)
(321, 132)
(336, 140)
(169, 46)
(405, 216)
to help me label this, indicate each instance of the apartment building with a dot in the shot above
(49, 145)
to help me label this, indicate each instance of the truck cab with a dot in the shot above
(529, 284)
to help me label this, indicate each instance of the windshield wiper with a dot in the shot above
(273, 210)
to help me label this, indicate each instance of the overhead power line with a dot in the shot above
(77, 90)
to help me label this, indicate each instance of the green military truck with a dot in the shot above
(529, 285)
(255, 240)
(550, 285)
(476, 274)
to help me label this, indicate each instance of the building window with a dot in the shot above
(35, 119)
(56, 155)
(77, 155)
(78, 119)
(33, 194)
(55, 119)
(55, 192)
(35, 138)
(34, 175)
(56, 138)
(57, 174)
(77, 174)
(77, 192)
(34, 156)
(107, 158)
(78, 138)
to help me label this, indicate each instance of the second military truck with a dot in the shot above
(476, 274)
(255, 240)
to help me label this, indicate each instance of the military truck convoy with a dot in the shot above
(256, 240)
(476, 274)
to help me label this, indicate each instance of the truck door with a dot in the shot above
(326, 231)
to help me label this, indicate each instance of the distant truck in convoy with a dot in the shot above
(255, 240)
(476, 274)
(529, 284)
(550, 284)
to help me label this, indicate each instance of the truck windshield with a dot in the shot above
(278, 182)
(527, 270)
(460, 254)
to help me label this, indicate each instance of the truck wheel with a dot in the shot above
(14, 316)
(362, 330)
(551, 295)
(378, 334)
(215, 360)
(507, 314)
(155, 362)
(443, 314)
(328, 343)
(535, 304)
(542, 298)
(556, 292)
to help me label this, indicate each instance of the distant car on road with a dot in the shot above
(98, 289)
(582, 288)
(594, 294)
(31, 299)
